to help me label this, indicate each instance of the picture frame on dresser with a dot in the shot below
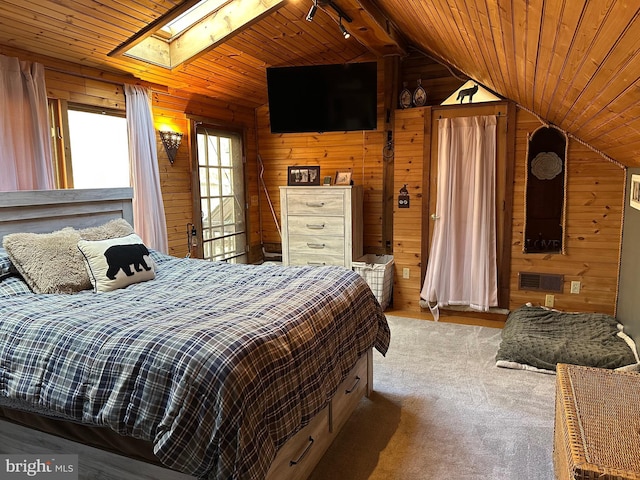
(303, 176)
(343, 178)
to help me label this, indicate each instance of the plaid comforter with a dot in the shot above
(216, 364)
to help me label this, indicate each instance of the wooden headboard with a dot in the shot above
(43, 211)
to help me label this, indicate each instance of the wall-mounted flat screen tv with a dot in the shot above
(323, 98)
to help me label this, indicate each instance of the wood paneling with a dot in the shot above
(438, 80)
(595, 192)
(410, 146)
(575, 64)
(171, 110)
(595, 196)
(360, 152)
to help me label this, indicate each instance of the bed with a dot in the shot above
(214, 370)
(538, 338)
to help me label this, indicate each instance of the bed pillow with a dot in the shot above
(13, 285)
(51, 262)
(48, 262)
(117, 263)
(118, 227)
(6, 266)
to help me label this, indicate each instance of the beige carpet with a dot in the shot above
(442, 410)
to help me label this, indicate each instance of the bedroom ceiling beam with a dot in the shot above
(372, 28)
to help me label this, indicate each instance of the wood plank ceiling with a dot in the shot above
(575, 63)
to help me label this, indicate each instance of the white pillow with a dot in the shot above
(117, 262)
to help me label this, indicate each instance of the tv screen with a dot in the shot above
(323, 98)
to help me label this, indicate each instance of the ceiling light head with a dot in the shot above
(312, 11)
(344, 31)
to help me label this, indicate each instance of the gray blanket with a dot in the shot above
(540, 338)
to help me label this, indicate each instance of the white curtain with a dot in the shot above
(148, 209)
(25, 151)
(461, 269)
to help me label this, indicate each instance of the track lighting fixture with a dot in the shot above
(344, 31)
(312, 11)
(329, 3)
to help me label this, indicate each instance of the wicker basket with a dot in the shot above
(377, 270)
(597, 424)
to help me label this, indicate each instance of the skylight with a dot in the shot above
(203, 26)
(200, 10)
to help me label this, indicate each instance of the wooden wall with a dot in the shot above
(594, 213)
(171, 110)
(412, 141)
(595, 196)
(175, 110)
(360, 152)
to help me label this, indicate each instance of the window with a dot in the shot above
(99, 149)
(90, 145)
(222, 197)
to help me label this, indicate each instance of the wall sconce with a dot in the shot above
(171, 142)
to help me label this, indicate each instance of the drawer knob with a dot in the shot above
(354, 386)
(315, 204)
(303, 454)
(315, 226)
(317, 246)
(317, 264)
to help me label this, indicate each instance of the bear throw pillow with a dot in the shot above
(117, 262)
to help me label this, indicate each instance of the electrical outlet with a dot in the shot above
(405, 272)
(548, 300)
(575, 287)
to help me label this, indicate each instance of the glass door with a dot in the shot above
(222, 194)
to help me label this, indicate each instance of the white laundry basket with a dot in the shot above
(377, 270)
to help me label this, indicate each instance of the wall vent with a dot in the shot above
(545, 282)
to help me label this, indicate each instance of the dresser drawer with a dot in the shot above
(349, 393)
(318, 260)
(316, 225)
(326, 204)
(316, 245)
(298, 457)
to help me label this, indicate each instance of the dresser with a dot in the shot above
(321, 225)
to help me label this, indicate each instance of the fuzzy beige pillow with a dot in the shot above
(48, 262)
(51, 262)
(112, 229)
